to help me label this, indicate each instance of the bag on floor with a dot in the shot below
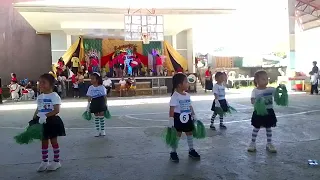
(87, 115)
(170, 136)
(32, 132)
(199, 130)
(260, 107)
(281, 97)
(107, 114)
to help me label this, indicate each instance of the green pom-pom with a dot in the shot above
(260, 107)
(31, 133)
(194, 131)
(107, 114)
(231, 109)
(281, 95)
(200, 130)
(87, 116)
(219, 110)
(171, 137)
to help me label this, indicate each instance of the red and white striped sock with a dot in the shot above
(45, 153)
(56, 152)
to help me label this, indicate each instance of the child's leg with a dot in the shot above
(221, 122)
(45, 146)
(270, 146)
(97, 124)
(252, 146)
(102, 124)
(56, 155)
(44, 164)
(192, 152)
(56, 149)
(254, 134)
(269, 135)
(175, 148)
(213, 117)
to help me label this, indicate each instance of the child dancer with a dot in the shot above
(48, 108)
(181, 114)
(97, 95)
(219, 99)
(267, 121)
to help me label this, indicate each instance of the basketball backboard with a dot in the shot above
(137, 25)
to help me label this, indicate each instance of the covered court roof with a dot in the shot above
(308, 13)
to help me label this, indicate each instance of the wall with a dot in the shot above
(60, 42)
(22, 50)
(184, 46)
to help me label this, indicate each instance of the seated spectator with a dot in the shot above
(14, 90)
(122, 83)
(107, 83)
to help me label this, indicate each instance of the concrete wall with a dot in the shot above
(184, 45)
(60, 42)
(22, 50)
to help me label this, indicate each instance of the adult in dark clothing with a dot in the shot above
(315, 68)
(208, 80)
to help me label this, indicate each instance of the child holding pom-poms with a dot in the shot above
(263, 114)
(46, 116)
(97, 95)
(219, 105)
(181, 115)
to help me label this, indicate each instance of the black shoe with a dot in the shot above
(174, 157)
(193, 154)
(222, 126)
(212, 127)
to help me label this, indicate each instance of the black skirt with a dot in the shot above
(53, 127)
(267, 121)
(208, 84)
(98, 105)
(223, 104)
(183, 127)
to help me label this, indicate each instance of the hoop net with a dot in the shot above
(145, 39)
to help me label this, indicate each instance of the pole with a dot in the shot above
(0, 91)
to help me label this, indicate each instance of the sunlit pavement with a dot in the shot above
(134, 149)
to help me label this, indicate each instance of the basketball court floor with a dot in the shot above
(134, 150)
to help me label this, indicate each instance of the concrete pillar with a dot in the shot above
(190, 52)
(60, 42)
(292, 35)
(174, 41)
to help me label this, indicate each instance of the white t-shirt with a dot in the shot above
(45, 103)
(267, 94)
(107, 83)
(314, 79)
(220, 91)
(95, 92)
(122, 82)
(181, 103)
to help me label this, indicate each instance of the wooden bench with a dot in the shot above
(142, 89)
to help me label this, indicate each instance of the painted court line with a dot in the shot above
(143, 127)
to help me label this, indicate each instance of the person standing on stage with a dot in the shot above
(158, 65)
(75, 63)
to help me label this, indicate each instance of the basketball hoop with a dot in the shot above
(145, 38)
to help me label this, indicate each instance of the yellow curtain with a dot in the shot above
(167, 61)
(176, 56)
(68, 54)
(81, 53)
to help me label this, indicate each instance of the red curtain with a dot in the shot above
(107, 58)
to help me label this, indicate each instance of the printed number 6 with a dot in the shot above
(184, 117)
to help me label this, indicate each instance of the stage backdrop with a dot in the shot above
(147, 48)
(109, 44)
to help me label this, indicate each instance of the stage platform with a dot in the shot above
(151, 85)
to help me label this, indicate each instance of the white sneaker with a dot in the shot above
(252, 147)
(97, 134)
(43, 166)
(54, 166)
(103, 133)
(270, 147)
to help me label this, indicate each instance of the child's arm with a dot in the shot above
(192, 111)
(171, 111)
(56, 110)
(253, 96)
